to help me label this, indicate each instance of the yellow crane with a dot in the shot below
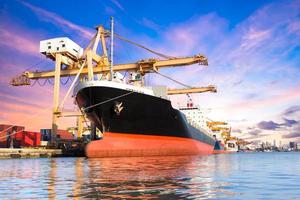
(91, 63)
(215, 123)
(209, 88)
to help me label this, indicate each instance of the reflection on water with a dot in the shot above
(51, 179)
(237, 176)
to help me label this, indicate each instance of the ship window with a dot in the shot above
(57, 48)
(49, 47)
(63, 45)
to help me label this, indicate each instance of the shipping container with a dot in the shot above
(65, 135)
(6, 134)
(22, 139)
(7, 129)
(61, 134)
(45, 134)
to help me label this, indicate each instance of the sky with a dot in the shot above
(252, 47)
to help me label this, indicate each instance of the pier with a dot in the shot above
(29, 153)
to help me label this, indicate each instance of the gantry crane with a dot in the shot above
(215, 123)
(91, 63)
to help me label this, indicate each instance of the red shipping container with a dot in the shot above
(30, 139)
(6, 129)
(65, 135)
(38, 139)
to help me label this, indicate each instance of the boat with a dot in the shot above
(231, 146)
(139, 121)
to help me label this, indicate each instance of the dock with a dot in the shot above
(30, 153)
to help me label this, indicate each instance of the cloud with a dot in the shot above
(289, 95)
(268, 125)
(254, 38)
(109, 10)
(59, 21)
(22, 44)
(150, 24)
(291, 110)
(289, 122)
(236, 130)
(117, 3)
(254, 132)
(291, 135)
(237, 83)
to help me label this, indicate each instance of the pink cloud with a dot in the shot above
(59, 21)
(285, 97)
(195, 35)
(33, 111)
(254, 37)
(19, 42)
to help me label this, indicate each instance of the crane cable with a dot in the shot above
(65, 83)
(143, 47)
(72, 84)
(36, 64)
(180, 83)
(49, 81)
(42, 84)
(35, 81)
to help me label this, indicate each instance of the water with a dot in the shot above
(227, 176)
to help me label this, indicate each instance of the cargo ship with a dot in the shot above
(139, 121)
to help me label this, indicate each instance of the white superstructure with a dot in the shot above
(196, 118)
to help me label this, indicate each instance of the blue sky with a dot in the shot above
(252, 46)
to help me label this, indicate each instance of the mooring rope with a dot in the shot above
(103, 102)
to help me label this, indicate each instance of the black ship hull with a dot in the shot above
(120, 111)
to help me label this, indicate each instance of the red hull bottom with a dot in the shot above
(135, 145)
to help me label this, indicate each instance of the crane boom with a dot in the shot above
(215, 123)
(220, 128)
(143, 66)
(192, 90)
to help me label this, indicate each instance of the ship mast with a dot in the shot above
(111, 47)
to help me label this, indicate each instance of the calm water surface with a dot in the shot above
(231, 176)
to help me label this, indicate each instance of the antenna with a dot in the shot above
(111, 46)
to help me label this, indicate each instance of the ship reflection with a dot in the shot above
(79, 178)
(52, 179)
(177, 177)
(152, 177)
